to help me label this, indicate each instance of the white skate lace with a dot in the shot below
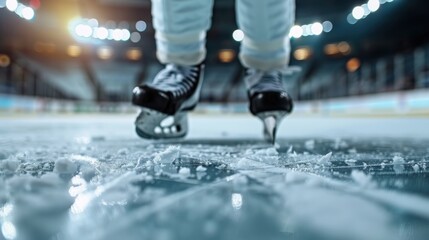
(260, 81)
(177, 79)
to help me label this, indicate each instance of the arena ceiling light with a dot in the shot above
(362, 11)
(89, 28)
(238, 35)
(19, 9)
(313, 29)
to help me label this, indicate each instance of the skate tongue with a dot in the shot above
(270, 124)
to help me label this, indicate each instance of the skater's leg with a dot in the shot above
(266, 26)
(180, 27)
(180, 30)
(265, 51)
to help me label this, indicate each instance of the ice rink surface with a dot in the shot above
(90, 177)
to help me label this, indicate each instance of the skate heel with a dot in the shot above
(271, 120)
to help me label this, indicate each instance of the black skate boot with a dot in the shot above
(164, 102)
(267, 99)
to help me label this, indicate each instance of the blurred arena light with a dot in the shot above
(337, 49)
(117, 34)
(2, 3)
(28, 13)
(141, 26)
(226, 55)
(74, 51)
(351, 19)
(12, 5)
(344, 48)
(134, 54)
(89, 28)
(238, 35)
(296, 31)
(327, 26)
(101, 33)
(316, 28)
(4, 60)
(353, 65)
(20, 9)
(93, 22)
(302, 53)
(373, 5)
(125, 35)
(358, 12)
(312, 29)
(331, 49)
(35, 4)
(83, 30)
(362, 11)
(105, 53)
(135, 37)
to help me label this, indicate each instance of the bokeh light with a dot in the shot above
(28, 13)
(125, 35)
(134, 54)
(4, 60)
(358, 12)
(226, 55)
(83, 30)
(74, 51)
(141, 26)
(316, 28)
(238, 35)
(327, 26)
(101, 33)
(12, 5)
(296, 31)
(105, 53)
(135, 37)
(373, 5)
(353, 65)
(302, 53)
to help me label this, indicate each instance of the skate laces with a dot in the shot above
(260, 81)
(177, 79)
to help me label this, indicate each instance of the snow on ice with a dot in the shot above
(168, 156)
(398, 164)
(201, 169)
(96, 188)
(310, 144)
(325, 160)
(361, 178)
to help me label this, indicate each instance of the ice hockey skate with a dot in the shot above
(164, 102)
(268, 100)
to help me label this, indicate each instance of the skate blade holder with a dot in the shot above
(151, 124)
(271, 120)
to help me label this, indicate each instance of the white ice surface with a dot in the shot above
(94, 168)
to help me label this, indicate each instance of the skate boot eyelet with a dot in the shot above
(157, 130)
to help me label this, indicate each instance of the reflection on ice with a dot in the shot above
(173, 190)
(83, 140)
(82, 158)
(78, 186)
(8, 230)
(6, 210)
(80, 203)
(236, 200)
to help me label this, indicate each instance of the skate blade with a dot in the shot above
(151, 124)
(271, 120)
